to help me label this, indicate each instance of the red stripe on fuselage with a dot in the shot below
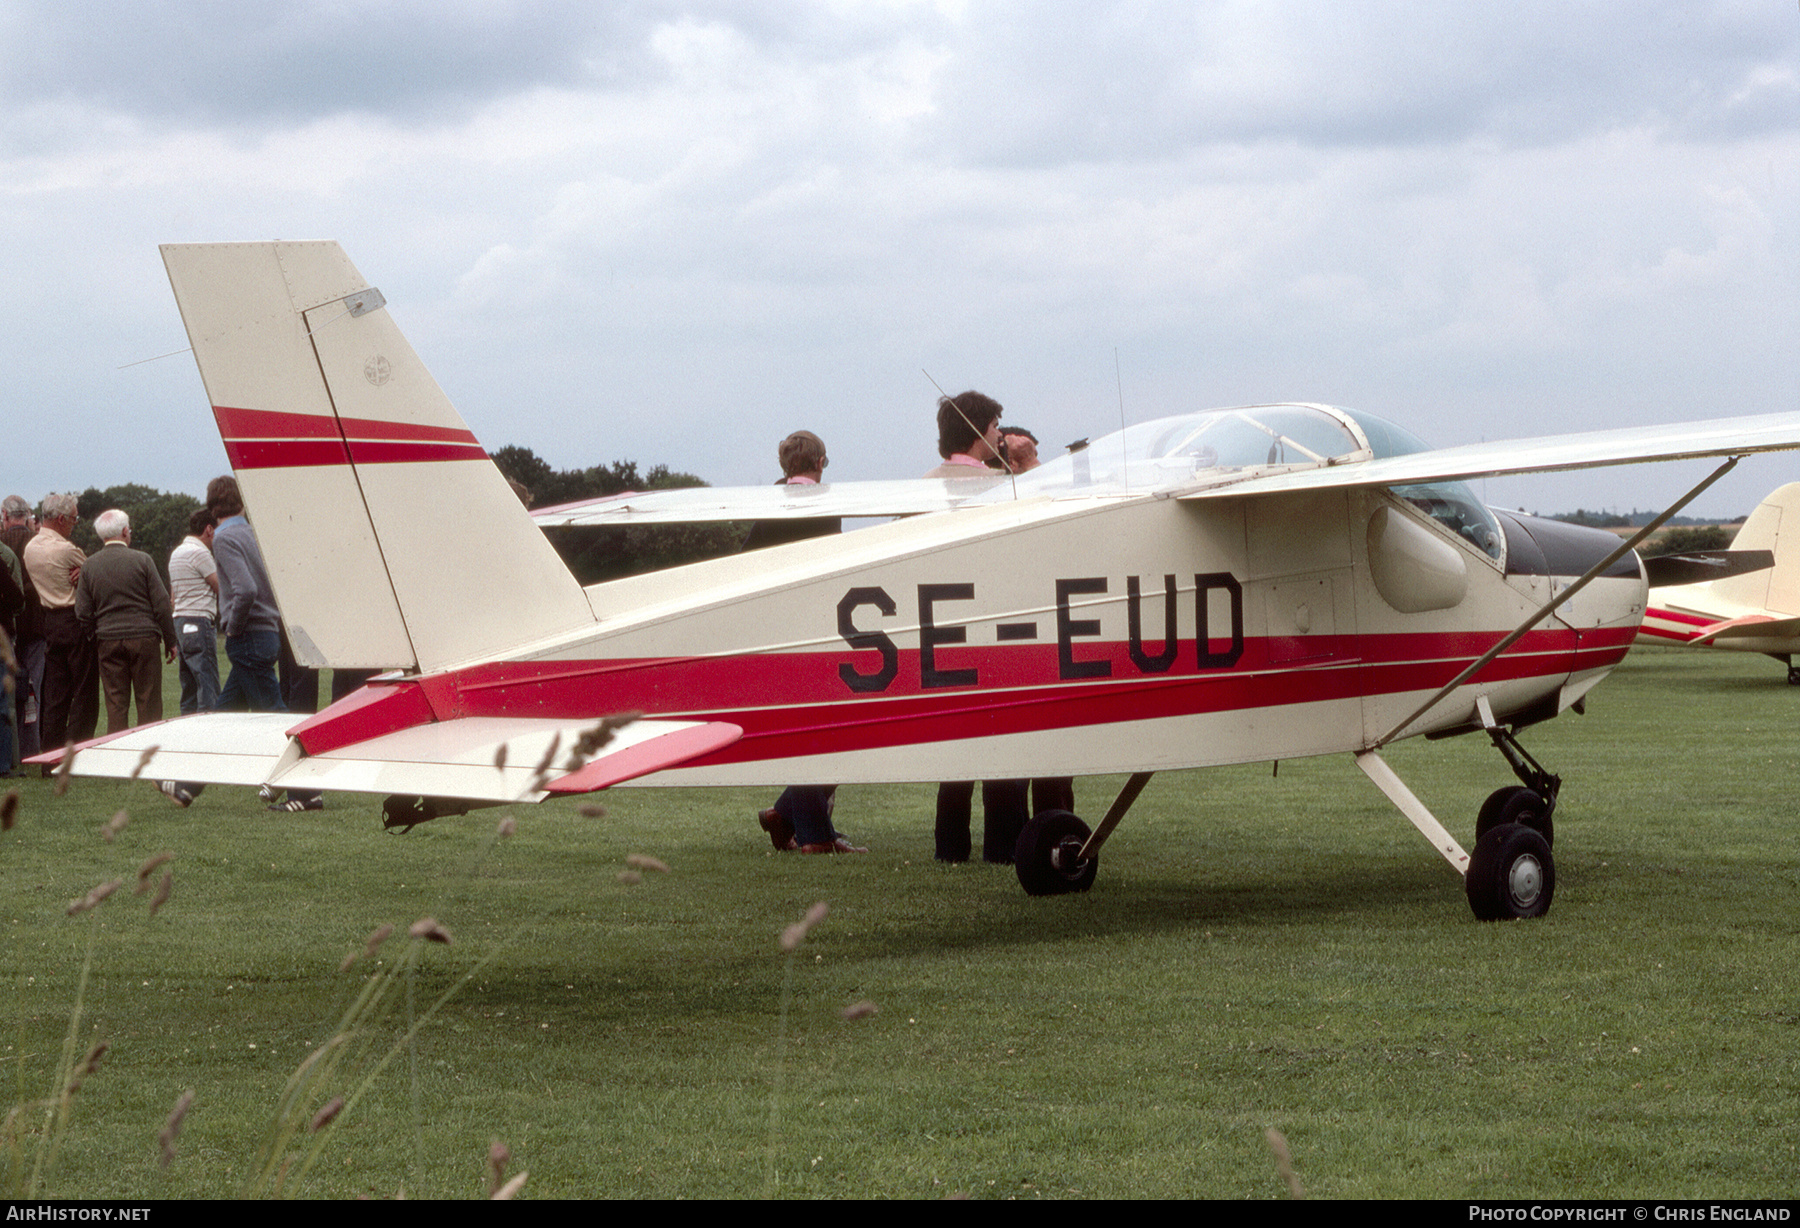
(802, 706)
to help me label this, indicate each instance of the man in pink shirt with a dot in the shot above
(968, 435)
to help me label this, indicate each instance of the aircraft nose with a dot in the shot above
(1539, 547)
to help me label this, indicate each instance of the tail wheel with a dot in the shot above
(1048, 856)
(1511, 874)
(1516, 804)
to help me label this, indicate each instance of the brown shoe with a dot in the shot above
(781, 832)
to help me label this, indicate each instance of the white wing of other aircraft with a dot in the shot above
(1233, 586)
(1758, 611)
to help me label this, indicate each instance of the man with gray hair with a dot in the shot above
(122, 604)
(69, 710)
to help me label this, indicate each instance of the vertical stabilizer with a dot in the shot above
(1774, 526)
(391, 539)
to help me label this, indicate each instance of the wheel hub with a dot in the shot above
(1525, 880)
(1066, 857)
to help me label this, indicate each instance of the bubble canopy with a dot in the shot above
(1187, 449)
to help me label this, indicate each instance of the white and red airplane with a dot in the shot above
(1746, 599)
(1233, 586)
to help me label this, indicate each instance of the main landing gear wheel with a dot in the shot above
(1511, 874)
(1047, 857)
(1516, 804)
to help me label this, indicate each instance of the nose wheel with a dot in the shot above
(1048, 856)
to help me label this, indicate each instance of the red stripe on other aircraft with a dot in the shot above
(1672, 616)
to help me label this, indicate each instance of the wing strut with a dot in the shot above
(1550, 608)
(1377, 770)
(1116, 812)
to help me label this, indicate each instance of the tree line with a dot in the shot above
(159, 518)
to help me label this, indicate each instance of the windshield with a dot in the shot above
(1173, 451)
(1179, 450)
(1451, 504)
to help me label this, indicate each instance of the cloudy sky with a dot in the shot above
(673, 232)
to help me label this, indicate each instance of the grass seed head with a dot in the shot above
(9, 810)
(93, 897)
(149, 868)
(795, 934)
(499, 1156)
(63, 768)
(1284, 1163)
(89, 1065)
(162, 891)
(500, 757)
(505, 1193)
(144, 761)
(643, 861)
(327, 1114)
(110, 830)
(429, 929)
(591, 810)
(860, 1010)
(171, 1130)
(630, 878)
(508, 828)
(377, 936)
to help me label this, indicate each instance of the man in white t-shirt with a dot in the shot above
(194, 586)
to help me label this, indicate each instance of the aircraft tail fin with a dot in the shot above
(1774, 526)
(391, 539)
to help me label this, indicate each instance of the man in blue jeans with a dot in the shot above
(194, 588)
(252, 626)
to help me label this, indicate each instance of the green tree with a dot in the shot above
(158, 519)
(613, 551)
(1681, 541)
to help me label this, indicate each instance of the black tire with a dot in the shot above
(1511, 874)
(1516, 804)
(1045, 860)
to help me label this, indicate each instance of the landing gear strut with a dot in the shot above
(1511, 872)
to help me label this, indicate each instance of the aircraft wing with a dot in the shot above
(454, 758)
(1545, 454)
(908, 497)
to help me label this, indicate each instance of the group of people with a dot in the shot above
(86, 627)
(971, 444)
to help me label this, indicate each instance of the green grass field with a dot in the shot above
(1258, 952)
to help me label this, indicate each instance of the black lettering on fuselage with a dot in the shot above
(931, 635)
(878, 640)
(1205, 657)
(1135, 623)
(1068, 628)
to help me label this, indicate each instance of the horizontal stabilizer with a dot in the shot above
(1751, 626)
(1700, 566)
(457, 758)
